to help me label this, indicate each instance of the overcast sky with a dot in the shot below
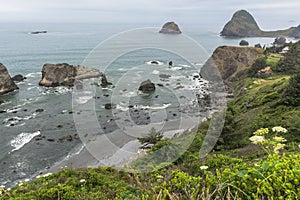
(268, 13)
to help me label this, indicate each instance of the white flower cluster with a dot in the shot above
(279, 129)
(45, 175)
(256, 139)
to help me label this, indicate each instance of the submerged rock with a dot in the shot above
(147, 86)
(6, 83)
(170, 28)
(109, 106)
(65, 75)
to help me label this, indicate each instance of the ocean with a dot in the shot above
(32, 140)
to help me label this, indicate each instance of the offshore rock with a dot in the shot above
(6, 83)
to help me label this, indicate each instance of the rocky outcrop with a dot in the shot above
(244, 43)
(226, 62)
(6, 83)
(243, 24)
(279, 41)
(147, 86)
(18, 78)
(65, 75)
(170, 28)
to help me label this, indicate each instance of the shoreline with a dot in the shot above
(120, 155)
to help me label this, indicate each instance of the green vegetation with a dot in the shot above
(152, 138)
(292, 92)
(291, 61)
(257, 156)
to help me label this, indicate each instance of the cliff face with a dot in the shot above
(243, 24)
(170, 28)
(65, 75)
(227, 61)
(6, 83)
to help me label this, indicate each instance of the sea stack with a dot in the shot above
(243, 24)
(170, 28)
(6, 83)
(54, 75)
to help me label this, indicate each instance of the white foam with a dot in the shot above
(155, 72)
(32, 75)
(57, 90)
(151, 62)
(175, 68)
(122, 108)
(83, 99)
(22, 139)
(185, 66)
(14, 109)
(129, 94)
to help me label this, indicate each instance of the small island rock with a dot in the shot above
(244, 43)
(170, 28)
(65, 75)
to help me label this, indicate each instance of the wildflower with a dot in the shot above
(46, 175)
(262, 131)
(256, 139)
(204, 167)
(82, 181)
(159, 177)
(2, 186)
(279, 139)
(26, 180)
(278, 147)
(299, 145)
(279, 129)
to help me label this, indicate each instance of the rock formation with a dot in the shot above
(227, 61)
(244, 43)
(18, 78)
(243, 24)
(6, 83)
(170, 28)
(65, 75)
(280, 41)
(147, 86)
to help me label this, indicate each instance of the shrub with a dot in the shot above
(151, 139)
(292, 94)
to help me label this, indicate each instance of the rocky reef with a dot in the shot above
(243, 24)
(227, 61)
(170, 28)
(65, 75)
(6, 82)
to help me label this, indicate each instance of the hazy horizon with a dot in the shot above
(269, 15)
